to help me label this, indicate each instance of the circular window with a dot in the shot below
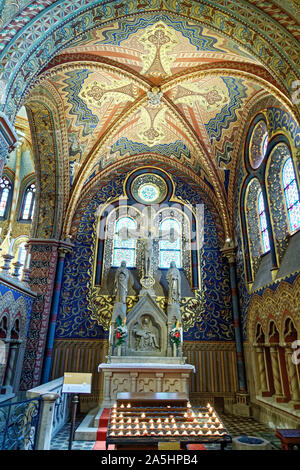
(149, 192)
(149, 188)
(258, 144)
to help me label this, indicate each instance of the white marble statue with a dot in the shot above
(174, 282)
(121, 283)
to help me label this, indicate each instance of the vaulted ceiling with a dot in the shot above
(157, 84)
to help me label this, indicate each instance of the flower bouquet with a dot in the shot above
(121, 331)
(175, 333)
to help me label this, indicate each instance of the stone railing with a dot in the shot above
(55, 412)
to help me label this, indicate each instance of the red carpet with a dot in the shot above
(102, 430)
(196, 447)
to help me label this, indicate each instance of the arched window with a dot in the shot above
(258, 144)
(28, 203)
(291, 194)
(170, 243)
(263, 223)
(124, 249)
(5, 189)
(3, 327)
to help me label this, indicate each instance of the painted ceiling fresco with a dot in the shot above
(160, 46)
(158, 84)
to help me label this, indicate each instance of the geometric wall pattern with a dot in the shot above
(208, 316)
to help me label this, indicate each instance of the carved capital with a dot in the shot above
(228, 251)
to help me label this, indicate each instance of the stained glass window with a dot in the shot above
(28, 203)
(169, 243)
(148, 192)
(124, 246)
(5, 188)
(291, 194)
(263, 223)
(258, 144)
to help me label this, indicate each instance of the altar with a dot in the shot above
(144, 376)
(145, 344)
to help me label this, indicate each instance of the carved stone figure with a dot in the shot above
(174, 282)
(145, 336)
(148, 255)
(121, 283)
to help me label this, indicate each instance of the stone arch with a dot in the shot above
(20, 312)
(128, 164)
(259, 333)
(289, 332)
(6, 307)
(271, 305)
(47, 127)
(273, 331)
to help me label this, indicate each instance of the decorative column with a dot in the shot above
(107, 377)
(16, 271)
(6, 267)
(261, 368)
(46, 421)
(293, 377)
(133, 376)
(8, 140)
(15, 196)
(62, 251)
(229, 252)
(159, 378)
(276, 372)
(44, 254)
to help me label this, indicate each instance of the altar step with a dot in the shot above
(94, 428)
(88, 428)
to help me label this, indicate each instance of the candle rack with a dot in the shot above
(146, 421)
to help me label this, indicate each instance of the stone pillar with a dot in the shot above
(260, 354)
(62, 251)
(107, 375)
(276, 372)
(134, 376)
(16, 189)
(293, 377)
(8, 140)
(44, 253)
(6, 267)
(46, 421)
(16, 271)
(229, 252)
(159, 379)
(185, 383)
